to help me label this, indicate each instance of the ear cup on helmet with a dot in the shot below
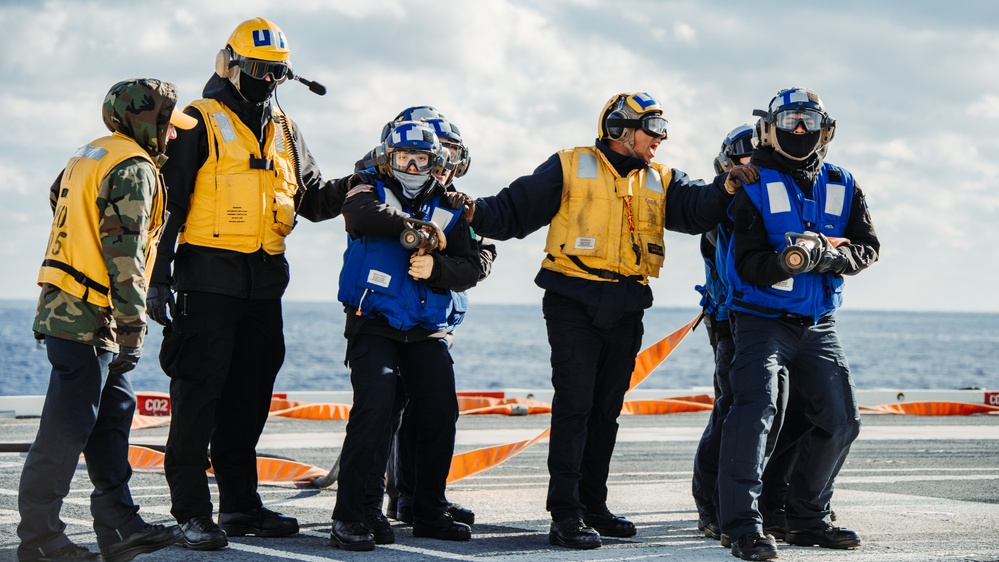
(223, 62)
(614, 133)
(611, 108)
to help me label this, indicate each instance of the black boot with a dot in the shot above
(444, 528)
(201, 533)
(827, 536)
(351, 535)
(754, 546)
(610, 525)
(260, 522)
(149, 538)
(573, 533)
(380, 529)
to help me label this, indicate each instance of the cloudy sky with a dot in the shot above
(913, 85)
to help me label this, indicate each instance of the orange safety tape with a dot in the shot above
(472, 462)
(268, 469)
(463, 464)
(663, 406)
(508, 406)
(140, 421)
(283, 470)
(466, 464)
(314, 411)
(143, 458)
(931, 408)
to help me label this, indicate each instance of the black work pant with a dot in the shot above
(222, 355)
(86, 410)
(706, 456)
(789, 417)
(813, 359)
(380, 368)
(591, 371)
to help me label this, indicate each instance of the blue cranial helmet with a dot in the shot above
(412, 147)
(790, 108)
(738, 144)
(450, 138)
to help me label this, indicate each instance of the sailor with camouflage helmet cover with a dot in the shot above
(108, 206)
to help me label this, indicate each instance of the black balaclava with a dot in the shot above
(797, 146)
(254, 89)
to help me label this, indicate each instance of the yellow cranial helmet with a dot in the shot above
(259, 39)
(258, 49)
(626, 112)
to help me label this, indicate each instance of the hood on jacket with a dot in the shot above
(141, 108)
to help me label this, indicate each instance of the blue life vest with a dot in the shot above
(785, 208)
(714, 292)
(375, 276)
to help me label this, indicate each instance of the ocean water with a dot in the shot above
(506, 346)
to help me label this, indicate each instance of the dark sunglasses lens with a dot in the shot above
(741, 147)
(260, 69)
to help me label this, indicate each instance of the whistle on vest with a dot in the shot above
(802, 252)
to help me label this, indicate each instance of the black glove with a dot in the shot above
(459, 200)
(125, 360)
(832, 261)
(743, 174)
(159, 298)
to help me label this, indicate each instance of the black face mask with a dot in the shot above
(255, 90)
(797, 146)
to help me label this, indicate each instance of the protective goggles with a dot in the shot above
(453, 151)
(653, 124)
(260, 69)
(742, 146)
(812, 119)
(403, 159)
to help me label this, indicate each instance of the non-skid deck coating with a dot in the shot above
(914, 488)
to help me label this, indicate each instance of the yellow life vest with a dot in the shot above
(608, 227)
(74, 258)
(236, 207)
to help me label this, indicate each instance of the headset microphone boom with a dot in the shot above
(314, 87)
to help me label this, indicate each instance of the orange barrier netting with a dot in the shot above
(931, 409)
(466, 464)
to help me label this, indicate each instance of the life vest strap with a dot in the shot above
(78, 276)
(601, 273)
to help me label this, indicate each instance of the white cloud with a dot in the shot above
(987, 107)
(910, 87)
(684, 33)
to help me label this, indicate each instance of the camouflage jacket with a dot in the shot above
(139, 109)
(130, 186)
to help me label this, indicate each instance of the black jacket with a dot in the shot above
(255, 275)
(531, 202)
